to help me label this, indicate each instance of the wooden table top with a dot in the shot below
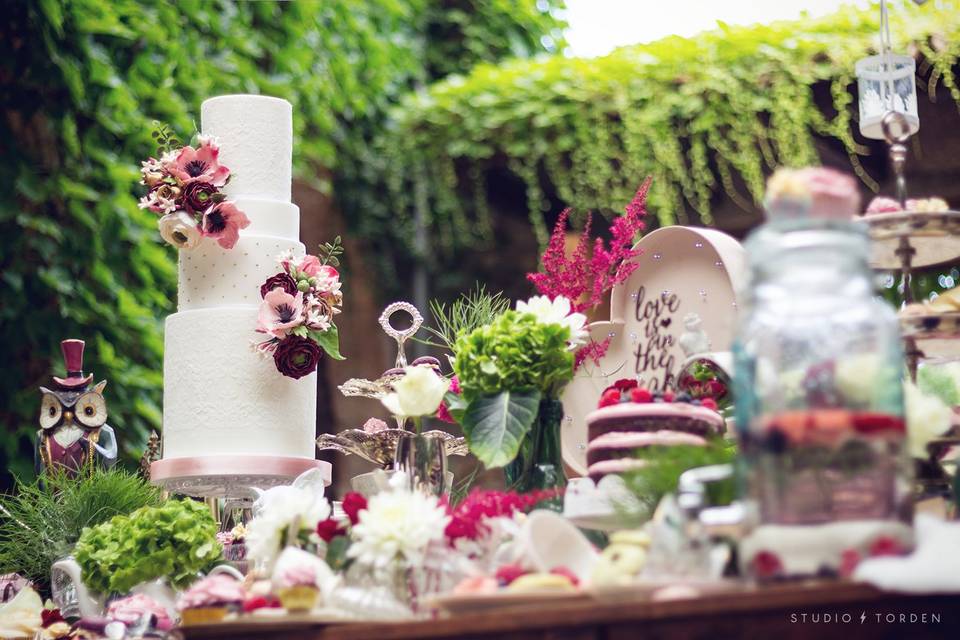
(818, 610)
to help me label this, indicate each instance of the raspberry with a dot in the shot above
(668, 396)
(641, 395)
(709, 403)
(610, 397)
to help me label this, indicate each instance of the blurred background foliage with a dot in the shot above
(80, 83)
(413, 114)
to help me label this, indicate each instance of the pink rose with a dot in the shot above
(312, 266)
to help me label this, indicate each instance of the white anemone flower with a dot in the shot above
(557, 311)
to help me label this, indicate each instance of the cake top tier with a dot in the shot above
(256, 143)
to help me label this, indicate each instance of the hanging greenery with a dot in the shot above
(704, 116)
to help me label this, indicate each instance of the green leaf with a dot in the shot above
(456, 405)
(495, 425)
(329, 341)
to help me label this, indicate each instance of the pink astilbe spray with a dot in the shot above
(586, 277)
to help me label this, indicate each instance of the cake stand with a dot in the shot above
(235, 479)
(904, 241)
(907, 240)
(380, 446)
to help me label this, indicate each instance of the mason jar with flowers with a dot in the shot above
(511, 373)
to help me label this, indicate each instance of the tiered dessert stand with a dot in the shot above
(907, 240)
(380, 447)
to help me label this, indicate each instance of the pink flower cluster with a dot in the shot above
(587, 276)
(297, 312)
(469, 518)
(185, 189)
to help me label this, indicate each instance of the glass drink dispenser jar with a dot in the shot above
(819, 396)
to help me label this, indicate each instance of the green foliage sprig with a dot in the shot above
(174, 541)
(166, 139)
(41, 521)
(650, 483)
(468, 312)
(330, 252)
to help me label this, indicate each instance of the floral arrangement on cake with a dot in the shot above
(594, 268)
(185, 188)
(297, 311)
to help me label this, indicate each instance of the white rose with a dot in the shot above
(418, 393)
(180, 229)
(927, 418)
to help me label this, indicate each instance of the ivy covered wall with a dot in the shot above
(80, 83)
(706, 116)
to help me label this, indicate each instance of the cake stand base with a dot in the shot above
(233, 478)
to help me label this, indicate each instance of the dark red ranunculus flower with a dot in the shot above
(296, 357)
(329, 529)
(625, 384)
(353, 503)
(283, 280)
(198, 196)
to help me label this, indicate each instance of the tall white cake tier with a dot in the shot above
(221, 399)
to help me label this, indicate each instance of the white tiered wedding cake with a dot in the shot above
(220, 397)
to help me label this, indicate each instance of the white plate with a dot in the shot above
(695, 271)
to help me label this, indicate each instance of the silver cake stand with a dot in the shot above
(234, 479)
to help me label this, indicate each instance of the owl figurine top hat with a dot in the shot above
(74, 433)
(73, 357)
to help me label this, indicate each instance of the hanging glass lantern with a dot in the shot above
(885, 83)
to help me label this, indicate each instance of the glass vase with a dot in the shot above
(423, 457)
(539, 464)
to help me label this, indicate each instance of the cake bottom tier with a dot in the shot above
(222, 398)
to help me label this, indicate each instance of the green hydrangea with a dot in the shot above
(174, 541)
(512, 353)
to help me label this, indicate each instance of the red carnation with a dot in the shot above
(296, 357)
(329, 529)
(353, 503)
(282, 280)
